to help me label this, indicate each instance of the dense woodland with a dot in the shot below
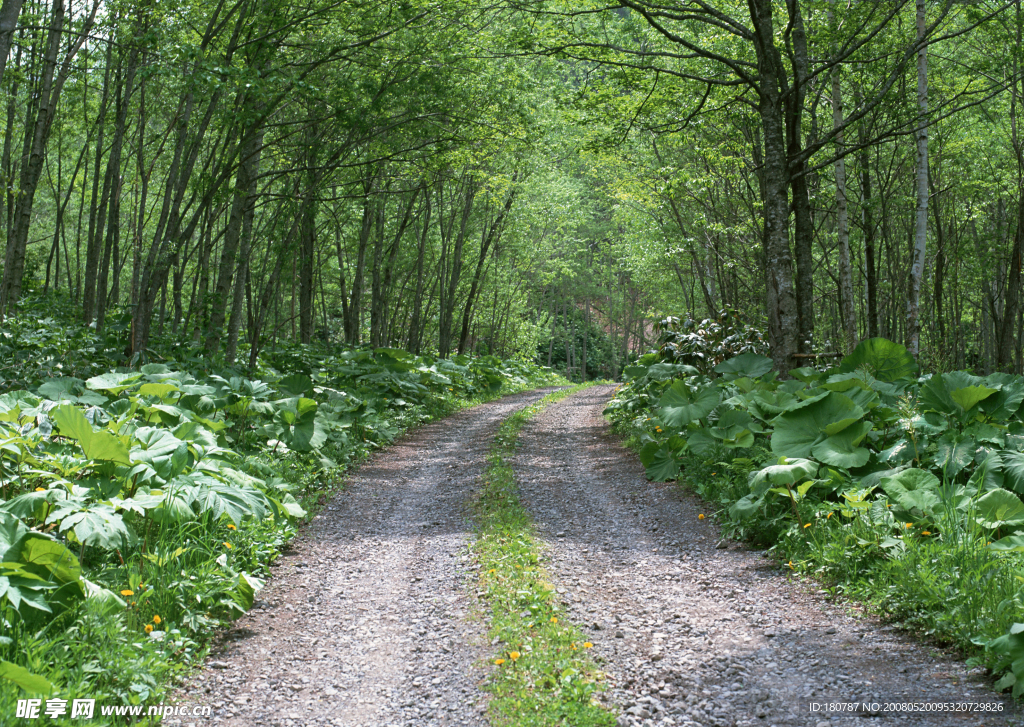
(532, 179)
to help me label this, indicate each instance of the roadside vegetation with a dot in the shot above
(140, 508)
(899, 490)
(543, 674)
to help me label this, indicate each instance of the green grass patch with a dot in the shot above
(543, 674)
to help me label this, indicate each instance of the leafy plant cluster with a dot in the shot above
(144, 506)
(903, 489)
(707, 343)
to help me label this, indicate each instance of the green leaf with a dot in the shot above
(885, 360)
(99, 525)
(745, 507)
(659, 461)
(291, 506)
(747, 364)
(159, 390)
(948, 393)
(245, 591)
(953, 453)
(908, 480)
(969, 396)
(23, 678)
(1013, 470)
(925, 501)
(841, 450)
(97, 445)
(238, 503)
(52, 558)
(12, 530)
(633, 372)
(114, 382)
(1009, 544)
(798, 430)
(999, 508)
(296, 385)
(680, 406)
(786, 472)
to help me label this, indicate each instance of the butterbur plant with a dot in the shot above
(902, 490)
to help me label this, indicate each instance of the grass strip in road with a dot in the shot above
(544, 674)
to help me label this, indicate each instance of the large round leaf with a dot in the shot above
(747, 364)
(999, 508)
(909, 480)
(659, 461)
(680, 405)
(786, 472)
(841, 450)
(884, 359)
(797, 431)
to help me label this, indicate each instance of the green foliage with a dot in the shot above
(144, 507)
(708, 343)
(885, 485)
(882, 358)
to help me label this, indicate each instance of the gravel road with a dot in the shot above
(370, 618)
(692, 634)
(364, 620)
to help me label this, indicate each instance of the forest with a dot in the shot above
(510, 179)
(249, 242)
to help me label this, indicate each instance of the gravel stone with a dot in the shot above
(743, 642)
(366, 619)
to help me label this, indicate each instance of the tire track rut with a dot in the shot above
(692, 634)
(364, 620)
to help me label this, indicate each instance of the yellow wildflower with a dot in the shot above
(127, 592)
(807, 526)
(701, 516)
(514, 655)
(157, 619)
(149, 628)
(499, 662)
(228, 545)
(925, 532)
(587, 645)
(828, 516)
(40, 489)
(909, 525)
(554, 620)
(231, 527)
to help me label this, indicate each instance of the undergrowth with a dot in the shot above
(141, 508)
(544, 674)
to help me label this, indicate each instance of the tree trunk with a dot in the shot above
(847, 310)
(491, 234)
(307, 253)
(241, 205)
(352, 319)
(913, 332)
(868, 225)
(9, 12)
(417, 301)
(803, 227)
(51, 83)
(451, 284)
(781, 298)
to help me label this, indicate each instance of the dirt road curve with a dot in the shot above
(367, 619)
(363, 623)
(696, 635)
